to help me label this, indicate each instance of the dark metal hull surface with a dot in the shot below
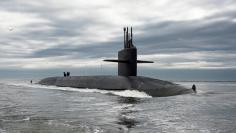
(153, 87)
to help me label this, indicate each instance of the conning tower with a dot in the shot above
(127, 57)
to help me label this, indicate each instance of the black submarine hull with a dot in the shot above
(153, 87)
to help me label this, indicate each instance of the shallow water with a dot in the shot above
(41, 109)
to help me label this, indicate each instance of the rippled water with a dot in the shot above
(30, 108)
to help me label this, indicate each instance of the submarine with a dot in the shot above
(127, 78)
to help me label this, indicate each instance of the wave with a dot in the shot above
(122, 93)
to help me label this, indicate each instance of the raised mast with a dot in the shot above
(131, 41)
(127, 37)
(124, 38)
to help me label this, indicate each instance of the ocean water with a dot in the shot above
(32, 108)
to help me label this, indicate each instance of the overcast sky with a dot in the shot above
(175, 34)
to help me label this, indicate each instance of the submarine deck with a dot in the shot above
(153, 87)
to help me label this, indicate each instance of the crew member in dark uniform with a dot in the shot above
(194, 88)
(68, 74)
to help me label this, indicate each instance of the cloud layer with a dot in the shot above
(60, 34)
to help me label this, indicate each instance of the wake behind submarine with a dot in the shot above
(127, 78)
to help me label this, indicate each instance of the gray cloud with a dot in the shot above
(91, 31)
(201, 35)
(165, 37)
(87, 50)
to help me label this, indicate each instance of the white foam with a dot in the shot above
(132, 93)
(123, 93)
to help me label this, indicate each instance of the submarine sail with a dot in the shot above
(127, 57)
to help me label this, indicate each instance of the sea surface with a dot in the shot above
(32, 108)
